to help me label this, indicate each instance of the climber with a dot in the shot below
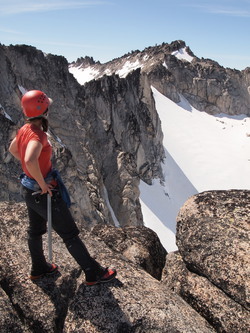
(34, 151)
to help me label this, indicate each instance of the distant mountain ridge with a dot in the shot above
(144, 60)
(157, 51)
(173, 69)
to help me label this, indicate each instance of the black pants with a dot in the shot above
(64, 225)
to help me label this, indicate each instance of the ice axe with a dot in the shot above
(49, 218)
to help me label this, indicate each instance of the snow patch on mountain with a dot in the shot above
(83, 75)
(182, 54)
(203, 152)
(4, 113)
(128, 67)
(121, 67)
(116, 222)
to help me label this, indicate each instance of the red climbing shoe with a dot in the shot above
(53, 268)
(108, 275)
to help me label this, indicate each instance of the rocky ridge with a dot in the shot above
(134, 302)
(204, 287)
(203, 82)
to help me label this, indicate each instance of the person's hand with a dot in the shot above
(46, 188)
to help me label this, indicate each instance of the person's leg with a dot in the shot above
(37, 227)
(65, 226)
(81, 255)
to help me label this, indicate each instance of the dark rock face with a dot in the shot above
(204, 83)
(9, 169)
(211, 271)
(134, 302)
(106, 136)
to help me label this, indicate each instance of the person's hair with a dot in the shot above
(45, 123)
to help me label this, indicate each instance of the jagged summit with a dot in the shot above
(85, 61)
(153, 50)
(173, 69)
(145, 60)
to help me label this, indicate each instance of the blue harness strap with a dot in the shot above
(62, 188)
(53, 174)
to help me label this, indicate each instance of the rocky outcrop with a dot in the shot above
(221, 311)
(204, 83)
(211, 271)
(139, 244)
(120, 115)
(133, 302)
(9, 169)
(86, 61)
(210, 87)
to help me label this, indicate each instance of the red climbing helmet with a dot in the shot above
(35, 103)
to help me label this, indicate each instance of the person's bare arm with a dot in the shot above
(32, 154)
(14, 150)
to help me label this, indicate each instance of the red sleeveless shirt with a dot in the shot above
(30, 132)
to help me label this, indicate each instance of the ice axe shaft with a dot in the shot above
(49, 218)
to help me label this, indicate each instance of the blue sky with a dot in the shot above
(215, 29)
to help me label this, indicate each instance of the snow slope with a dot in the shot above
(203, 152)
(86, 74)
(83, 75)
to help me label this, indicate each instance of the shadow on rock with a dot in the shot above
(60, 293)
(99, 309)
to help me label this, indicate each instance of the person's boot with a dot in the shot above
(94, 272)
(40, 267)
(106, 275)
(51, 270)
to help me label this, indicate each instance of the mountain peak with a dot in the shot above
(85, 61)
(86, 69)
